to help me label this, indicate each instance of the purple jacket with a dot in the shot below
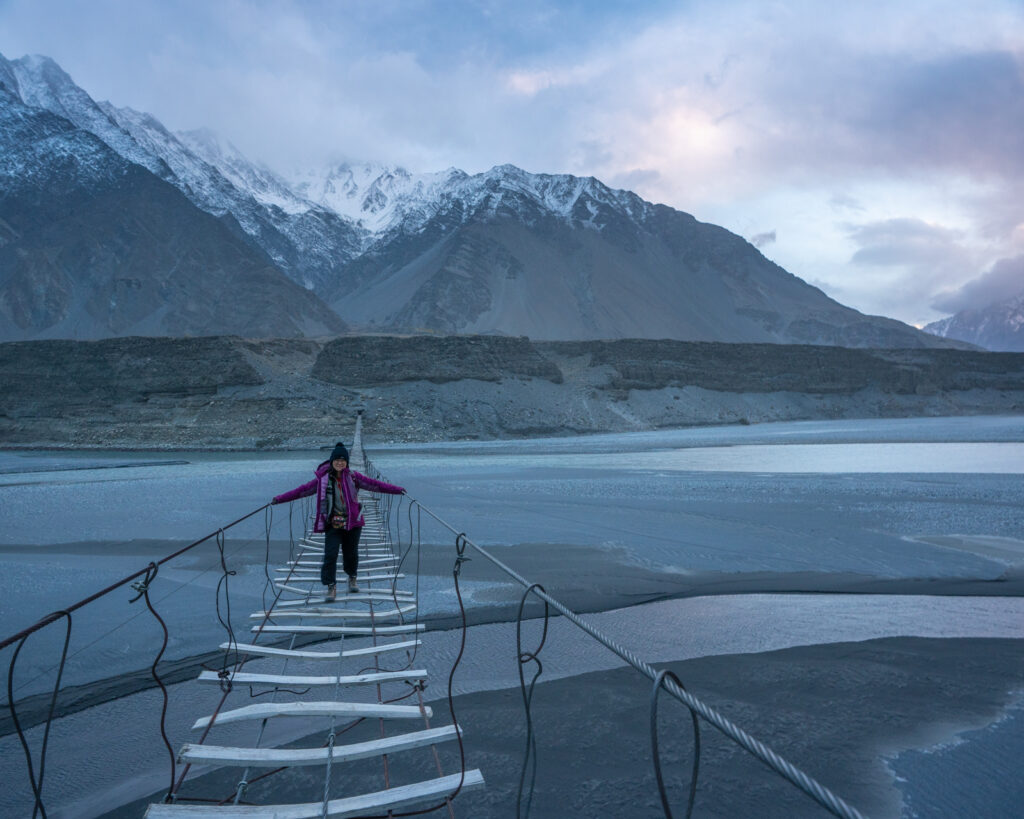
(350, 482)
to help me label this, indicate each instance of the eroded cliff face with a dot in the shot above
(233, 393)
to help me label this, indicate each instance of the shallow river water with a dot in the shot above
(894, 499)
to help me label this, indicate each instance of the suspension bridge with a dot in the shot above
(353, 666)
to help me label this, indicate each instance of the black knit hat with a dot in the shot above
(339, 452)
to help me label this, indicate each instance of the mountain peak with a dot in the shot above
(998, 326)
(41, 81)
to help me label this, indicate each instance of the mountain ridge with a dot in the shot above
(553, 256)
(94, 245)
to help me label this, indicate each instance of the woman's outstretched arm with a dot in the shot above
(363, 482)
(297, 492)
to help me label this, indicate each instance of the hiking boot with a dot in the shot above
(352, 587)
(332, 593)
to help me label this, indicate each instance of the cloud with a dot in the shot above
(904, 262)
(843, 201)
(1003, 282)
(714, 108)
(905, 241)
(636, 178)
(760, 240)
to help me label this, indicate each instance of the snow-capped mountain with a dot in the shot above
(997, 327)
(307, 242)
(505, 251)
(93, 245)
(564, 257)
(375, 196)
(40, 83)
(224, 158)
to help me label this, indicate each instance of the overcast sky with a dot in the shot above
(875, 149)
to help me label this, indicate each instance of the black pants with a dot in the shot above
(348, 540)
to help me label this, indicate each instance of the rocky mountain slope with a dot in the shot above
(290, 393)
(506, 251)
(559, 257)
(999, 326)
(92, 245)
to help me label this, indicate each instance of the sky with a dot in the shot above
(874, 149)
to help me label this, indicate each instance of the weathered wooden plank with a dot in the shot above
(336, 613)
(314, 565)
(368, 596)
(245, 677)
(294, 757)
(266, 710)
(403, 629)
(314, 574)
(299, 578)
(349, 806)
(293, 589)
(370, 650)
(302, 654)
(316, 579)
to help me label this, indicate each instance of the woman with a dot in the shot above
(339, 514)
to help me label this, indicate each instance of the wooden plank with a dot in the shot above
(349, 806)
(368, 596)
(245, 677)
(294, 757)
(404, 629)
(370, 650)
(266, 710)
(301, 654)
(311, 565)
(293, 589)
(335, 613)
(316, 564)
(302, 577)
(308, 591)
(373, 597)
(399, 576)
